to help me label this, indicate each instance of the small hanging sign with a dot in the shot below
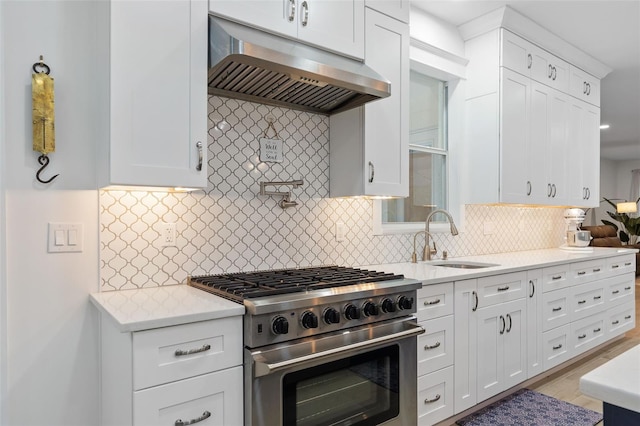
(270, 148)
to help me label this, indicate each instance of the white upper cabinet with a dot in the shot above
(158, 90)
(584, 86)
(528, 140)
(369, 151)
(333, 25)
(397, 9)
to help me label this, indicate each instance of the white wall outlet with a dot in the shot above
(340, 232)
(65, 237)
(168, 234)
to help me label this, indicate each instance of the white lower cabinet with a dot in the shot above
(508, 328)
(173, 375)
(435, 396)
(214, 397)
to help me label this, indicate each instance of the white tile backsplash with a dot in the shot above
(229, 227)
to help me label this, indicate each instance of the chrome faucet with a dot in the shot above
(428, 252)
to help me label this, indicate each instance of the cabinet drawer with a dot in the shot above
(584, 86)
(501, 288)
(622, 264)
(621, 288)
(556, 308)
(435, 396)
(588, 299)
(435, 346)
(215, 345)
(434, 301)
(592, 270)
(556, 277)
(556, 346)
(621, 319)
(587, 333)
(216, 397)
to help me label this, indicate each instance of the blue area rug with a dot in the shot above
(528, 408)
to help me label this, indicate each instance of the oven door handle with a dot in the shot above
(264, 368)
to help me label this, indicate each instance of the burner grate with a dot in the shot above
(244, 285)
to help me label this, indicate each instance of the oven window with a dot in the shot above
(359, 390)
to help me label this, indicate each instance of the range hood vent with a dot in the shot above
(286, 73)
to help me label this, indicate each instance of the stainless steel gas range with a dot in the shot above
(325, 345)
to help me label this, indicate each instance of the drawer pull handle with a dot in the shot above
(204, 416)
(615, 322)
(615, 292)
(582, 272)
(180, 352)
(556, 309)
(596, 270)
(433, 302)
(597, 297)
(627, 288)
(435, 345)
(505, 288)
(429, 401)
(556, 277)
(627, 317)
(627, 264)
(615, 266)
(582, 336)
(597, 330)
(580, 302)
(555, 348)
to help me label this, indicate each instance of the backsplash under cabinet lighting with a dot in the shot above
(229, 227)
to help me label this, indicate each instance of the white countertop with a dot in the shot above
(617, 382)
(507, 262)
(134, 310)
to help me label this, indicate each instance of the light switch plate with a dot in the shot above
(65, 237)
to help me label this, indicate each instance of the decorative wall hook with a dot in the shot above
(43, 115)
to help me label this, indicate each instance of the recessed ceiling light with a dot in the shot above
(604, 126)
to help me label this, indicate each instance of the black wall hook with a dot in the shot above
(44, 162)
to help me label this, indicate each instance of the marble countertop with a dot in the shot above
(616, 382)
(134, 310)
(506, 262)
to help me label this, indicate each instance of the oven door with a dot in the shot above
(364, 376)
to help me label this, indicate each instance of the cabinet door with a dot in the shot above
(514, 344)
(398, 9)
(466, 344)
(215, 397)
(516, 185)
(584, 86)
(276, 16)
(549, 70)
(584, 145)
(515, 53)
(387, 120)
(158, 93)
(534, 323)
(491, 328)
(334, 25)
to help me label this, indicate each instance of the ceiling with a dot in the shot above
(607, 30)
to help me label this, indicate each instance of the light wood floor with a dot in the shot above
(564, 384)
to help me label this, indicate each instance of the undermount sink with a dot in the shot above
(463, 265)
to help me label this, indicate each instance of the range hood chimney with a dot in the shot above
(252, 65)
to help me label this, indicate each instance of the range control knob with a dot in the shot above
(331, 316)
(309, 320)
(351, 312)
(370, 309)
(405, 303)
(387, 305)
(280, 325)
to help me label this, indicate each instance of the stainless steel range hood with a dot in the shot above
(252, 65)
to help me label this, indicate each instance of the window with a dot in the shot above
(428, 154)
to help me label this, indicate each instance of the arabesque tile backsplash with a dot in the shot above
(229, 227)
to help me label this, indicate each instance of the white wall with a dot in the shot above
(51, 375)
